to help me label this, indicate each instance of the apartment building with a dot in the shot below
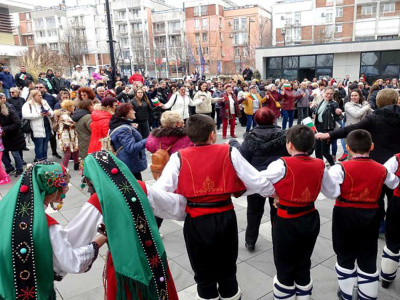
(227, 34)
(10, 52)
(333, 38)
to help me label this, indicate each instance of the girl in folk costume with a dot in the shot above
(229, 111)
(136, 265)
(251, 103)
(33, 249)
(66, 133)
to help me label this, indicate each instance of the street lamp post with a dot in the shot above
(284, 37)
(110, 41)
(248, 39)
(130, 65)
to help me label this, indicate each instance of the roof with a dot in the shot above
(11, 50)
(15, 6)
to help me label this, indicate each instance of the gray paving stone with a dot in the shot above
(264, 262)
(261, 246)
(326, 230)
(184, 262)
(174, 244)
(249, 278)
(95, 294)
(322, 250)
(325, 283)
(182, 277)
(168, 227)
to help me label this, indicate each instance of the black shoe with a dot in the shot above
(76, 166)
(35, 160)
(10, 171)
(385, 284)
(19, 173)
(57, 155)
(250, 247)
(339, 294)
(25, 149)
(24, 163)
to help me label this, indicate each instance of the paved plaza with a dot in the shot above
(255, 269)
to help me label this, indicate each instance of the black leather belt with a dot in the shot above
(354, 202)
(292, 210)
(209, 204)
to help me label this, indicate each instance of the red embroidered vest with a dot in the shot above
(362, 184)
(396, 191)
(301, 184)
(207, 175)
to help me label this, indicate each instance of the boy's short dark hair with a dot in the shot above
(302, 137)
(199, 127)
(359, 141)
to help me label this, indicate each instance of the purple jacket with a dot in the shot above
(225, 102)
(167, 137)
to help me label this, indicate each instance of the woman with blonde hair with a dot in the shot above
(142, 107)
(66, 133)
(39, 112)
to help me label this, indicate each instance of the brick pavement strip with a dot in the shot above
(255, 270)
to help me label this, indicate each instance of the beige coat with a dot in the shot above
(205, 106)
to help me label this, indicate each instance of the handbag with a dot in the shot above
(26, 124)
(277, 104)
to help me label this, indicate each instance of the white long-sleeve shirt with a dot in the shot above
(83, 227)
(337, 174)
(392, 165)
(181, 104)
(277, 170)
(252, 179)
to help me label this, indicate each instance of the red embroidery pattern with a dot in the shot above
(27, 294)
(154, 261)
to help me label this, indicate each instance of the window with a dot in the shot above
(221, 51)
(390, 58)
(197, 51)
(297, 34)
(291, 62)
(338, 28)
(134, 13)
(325, 60)
(160, 27)
(28, 27)
(120, 15)
(174, 26)
(27, 16)
(40, 34)
(221, 36)
(329, 17)
(138, 27)
(204, 23)
(243, 23)
(385, 64)
(370, 58)
(52, 32)
(196, 11)
(307, 61)
(275, 63)
(339, 12)
(387, 37)
(204, 10)
(235, 24)
(39, 23)
(53, 46)
(122, 28)
(236, 39)
(124, 42)
(237, 51)
(297, 17)
(244, 38)
(245, 52)
(196, 24)
(197, 37)
(204, 37)
(50, 22)
(388, 7)
(367, 10)
(289, 18)
(205, 50)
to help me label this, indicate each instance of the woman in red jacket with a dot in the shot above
(100, 122)
(272, 102)
(288, 97)
(229, 111)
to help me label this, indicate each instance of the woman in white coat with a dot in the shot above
(180, 102)
(204, 95)
(38, 111)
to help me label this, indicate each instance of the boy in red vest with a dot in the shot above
(356, 217)
(391, 252)
(297, 180)
(207, 175)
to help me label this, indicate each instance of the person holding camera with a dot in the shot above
(39, 112)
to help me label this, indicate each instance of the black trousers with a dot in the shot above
(137, 175)
(322, 149)
(393, 225)
(212, 244)
(355, 233)
(219, 120)
(243, 118)
(53, 143)
(294, 241)
(213, 111)
(255, 211)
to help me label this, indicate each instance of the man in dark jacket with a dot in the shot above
(22, 78)
(58, 82)
(7, 80)
(247, 74)
(51, 100)
(162, 92)
(13, 139)
(263, 145)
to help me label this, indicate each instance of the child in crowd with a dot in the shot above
(356, 217)
(297, 180)
(207, 175)
(4, 178)
(391, 252)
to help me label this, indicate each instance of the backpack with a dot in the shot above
(159, 159)
(106, 141)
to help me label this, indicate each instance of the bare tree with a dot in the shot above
(39, 59)
(74, 45)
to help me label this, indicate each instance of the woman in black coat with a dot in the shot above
(261, 146)
(13, 138)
